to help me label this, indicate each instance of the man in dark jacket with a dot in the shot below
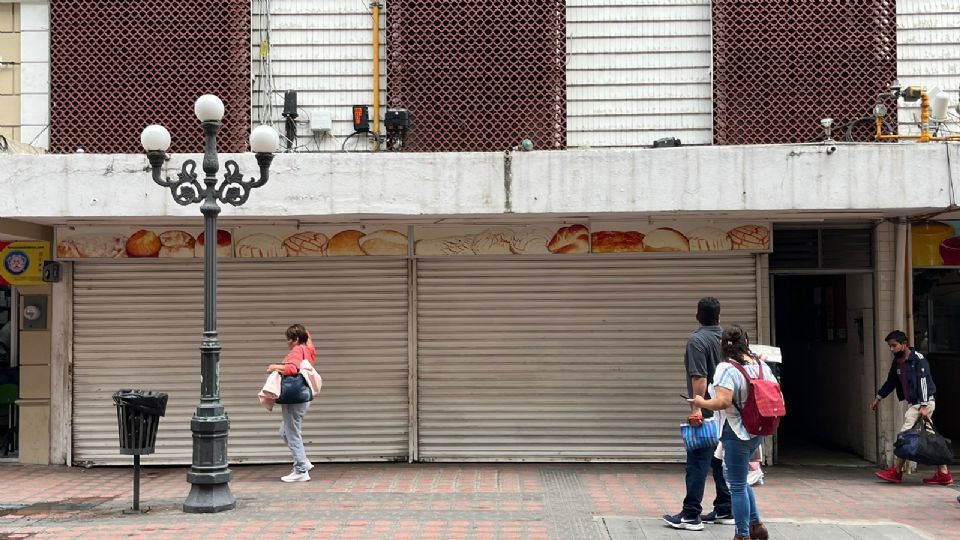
(701, 359)
(910, 376)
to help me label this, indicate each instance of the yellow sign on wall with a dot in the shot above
(21, 263)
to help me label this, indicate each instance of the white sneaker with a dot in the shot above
(309, 466)
(296, 477)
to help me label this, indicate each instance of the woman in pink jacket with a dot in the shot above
(301, 348)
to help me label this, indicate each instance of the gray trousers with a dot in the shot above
(291, 434)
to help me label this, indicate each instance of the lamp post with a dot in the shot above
(209, 473)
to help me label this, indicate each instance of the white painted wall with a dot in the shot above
(35, 73)
(324, 51)
(637, 71)
(928, 52)
(768, 181)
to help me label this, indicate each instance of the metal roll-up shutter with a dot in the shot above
(564, 359)
(139, 324)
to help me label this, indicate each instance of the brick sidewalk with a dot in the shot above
(439, 501)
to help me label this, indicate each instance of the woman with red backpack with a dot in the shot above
(737, 400)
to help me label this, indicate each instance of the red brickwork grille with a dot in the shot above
(117, 66)
(782, 65)
(478, 75)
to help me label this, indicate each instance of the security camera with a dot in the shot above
(831, 149)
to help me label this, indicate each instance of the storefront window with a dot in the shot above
(936, 310)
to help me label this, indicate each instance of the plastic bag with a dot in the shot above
(144, 401)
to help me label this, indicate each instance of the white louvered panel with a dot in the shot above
(318, 49)
(138, 324)
(321, 54)
(601, 92)
(651, 13)
(637, 45)
(646, 61)
(638, 28)
(641, 107)
(310, 38)
(635, 3)
(636, 138)
(655, 76)
(664, 121)
(324, 69)
(566, 359)
(928, 52)
(625, 51)
(330, 22)
(312, 7)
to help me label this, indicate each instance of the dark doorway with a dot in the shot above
(9, 375)
(823, 325)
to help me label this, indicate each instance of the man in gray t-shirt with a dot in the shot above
(700, 360)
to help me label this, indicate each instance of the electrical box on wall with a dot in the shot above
(51, 272)
(34, 314)
(361, 119)
(321, 121)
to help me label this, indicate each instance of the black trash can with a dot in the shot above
(138, 416)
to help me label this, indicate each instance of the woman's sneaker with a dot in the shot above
(718, 519)
(296, 477)
(680, 522)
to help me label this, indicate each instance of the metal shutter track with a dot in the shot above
(138, 324)
(577, 359)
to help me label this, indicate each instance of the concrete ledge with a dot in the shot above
(895, 179)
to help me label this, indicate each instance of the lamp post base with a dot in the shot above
(209, 499)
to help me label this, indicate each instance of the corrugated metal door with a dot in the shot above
(138, 324)
(567, 359)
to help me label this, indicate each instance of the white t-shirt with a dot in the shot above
(730, 377)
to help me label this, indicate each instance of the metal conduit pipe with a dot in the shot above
(375, 5)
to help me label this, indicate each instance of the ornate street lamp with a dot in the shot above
(209, 473)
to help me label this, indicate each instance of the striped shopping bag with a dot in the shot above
(707, 435)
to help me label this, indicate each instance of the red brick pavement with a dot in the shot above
(436, 501)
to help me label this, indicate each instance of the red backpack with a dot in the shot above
(764, 406)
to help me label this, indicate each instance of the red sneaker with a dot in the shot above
(890, 475)
(940, 479)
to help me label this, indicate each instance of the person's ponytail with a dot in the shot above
(734, 343)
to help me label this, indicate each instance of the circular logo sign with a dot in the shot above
(16, 262)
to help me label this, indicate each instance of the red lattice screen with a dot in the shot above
(117, 66)
(478, 75)
(782, 65)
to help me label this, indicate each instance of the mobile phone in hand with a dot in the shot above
(686, 397)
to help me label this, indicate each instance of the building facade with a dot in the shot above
(485, 305)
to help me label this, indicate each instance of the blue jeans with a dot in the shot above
(699, 461)
(290, 433)
(736, 462)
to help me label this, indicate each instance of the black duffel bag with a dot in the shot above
(923, 444)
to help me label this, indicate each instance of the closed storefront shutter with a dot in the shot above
(139, 324)
(565, 359)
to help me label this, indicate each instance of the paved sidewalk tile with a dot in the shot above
(619, 528)
(459, 501)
